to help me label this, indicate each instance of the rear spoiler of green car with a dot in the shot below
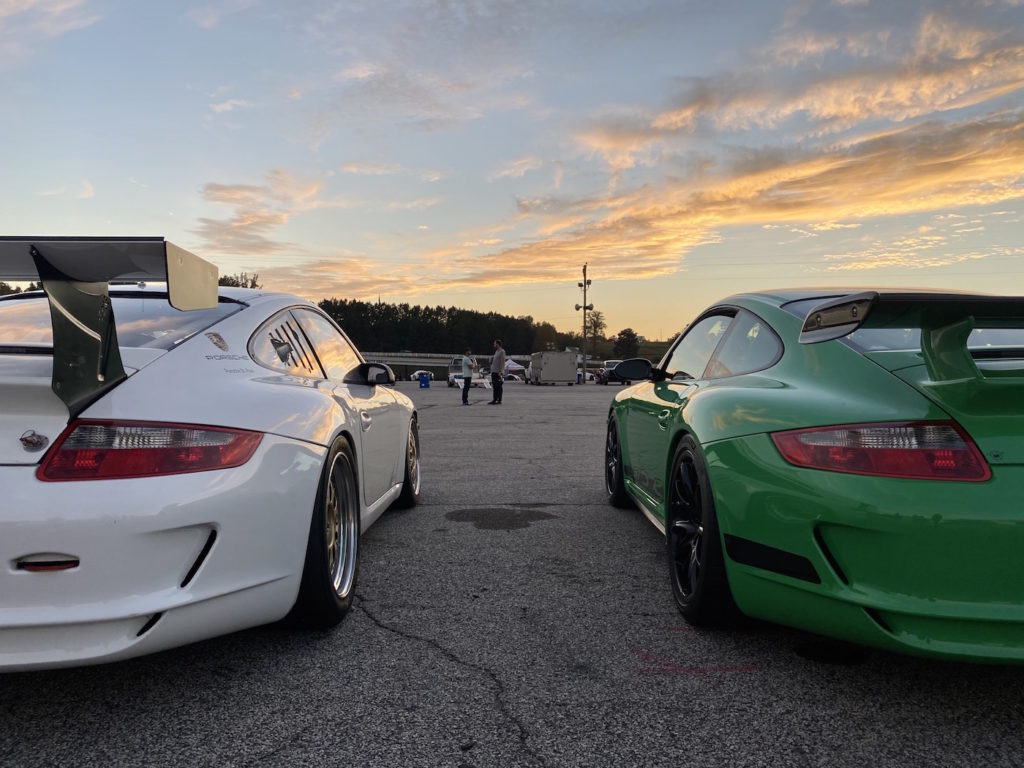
(945, 319)
(74, 272)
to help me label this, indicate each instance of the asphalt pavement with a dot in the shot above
(513, 618)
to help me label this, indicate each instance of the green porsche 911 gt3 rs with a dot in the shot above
(850, 464)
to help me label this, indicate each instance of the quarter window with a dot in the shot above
(690, 356)
(337, 356)
(750, 346)
(279, 344)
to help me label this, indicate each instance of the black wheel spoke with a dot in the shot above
(686, 528)
(693, 570)
(612, 461)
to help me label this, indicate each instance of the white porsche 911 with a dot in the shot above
(172, 474)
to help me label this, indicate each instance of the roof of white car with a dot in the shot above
(245, 295)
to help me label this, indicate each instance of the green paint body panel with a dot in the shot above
(927, 567)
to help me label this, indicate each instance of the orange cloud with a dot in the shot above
(259, 210)
(949, 65)
(647, 232)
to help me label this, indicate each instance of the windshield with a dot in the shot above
(141, 321)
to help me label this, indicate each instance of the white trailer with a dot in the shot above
(552, 368)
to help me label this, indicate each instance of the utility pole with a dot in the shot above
(585, 307)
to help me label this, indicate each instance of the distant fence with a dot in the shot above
(428, 359)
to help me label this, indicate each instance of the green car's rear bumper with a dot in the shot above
(934, 568)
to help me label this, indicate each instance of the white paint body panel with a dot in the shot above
(137, 539)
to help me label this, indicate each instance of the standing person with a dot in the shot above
(468, 366)
(497, 371)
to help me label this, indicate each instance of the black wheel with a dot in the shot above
(614, 484)
(332, 554)
(411, 482)
(695, 560)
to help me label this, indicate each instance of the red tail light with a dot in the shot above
(108, 450)
(925, 450)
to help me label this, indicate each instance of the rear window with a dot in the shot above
(141, 321)
(982, 341)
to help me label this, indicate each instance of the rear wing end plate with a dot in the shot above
(74, 272)
(191, 281)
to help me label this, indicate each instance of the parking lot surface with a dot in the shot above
(515, 619)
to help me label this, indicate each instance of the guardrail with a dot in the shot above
(428, 359)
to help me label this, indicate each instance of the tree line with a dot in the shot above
(382, 327)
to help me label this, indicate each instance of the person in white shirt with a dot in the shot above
(497, 371)
(468, 366)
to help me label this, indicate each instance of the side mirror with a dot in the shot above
(635, 369)
(371, 374)
(380, 373)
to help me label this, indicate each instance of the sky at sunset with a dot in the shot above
(477, 154)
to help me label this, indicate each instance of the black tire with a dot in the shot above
(332, 554)
(411, 481)
(614, 481)
(695, 560)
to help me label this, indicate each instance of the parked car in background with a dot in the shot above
(849, 464)
(175, 475)
(513, 377)
(608, 374)
(415, 376)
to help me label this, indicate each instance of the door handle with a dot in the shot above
(365, 420)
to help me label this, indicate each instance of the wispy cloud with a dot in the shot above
(259, 211)
(418, 204)
(516, 169)
(944, 65)
(647, 232)
(26, 23)
(829, 226)
(229, 105)
(905, 253)
(210, 15)
(394, 93)
(341, 274)
(372, 169)
(83, 190)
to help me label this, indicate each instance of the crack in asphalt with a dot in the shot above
(500, 690)
(295, 738)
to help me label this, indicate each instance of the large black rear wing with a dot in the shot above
(945, 319)
(74, 272)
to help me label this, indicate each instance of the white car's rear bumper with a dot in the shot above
(163, 561)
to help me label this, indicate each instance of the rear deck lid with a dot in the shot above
(963, 352)
(32, 416)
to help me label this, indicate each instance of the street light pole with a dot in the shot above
(585, 307)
